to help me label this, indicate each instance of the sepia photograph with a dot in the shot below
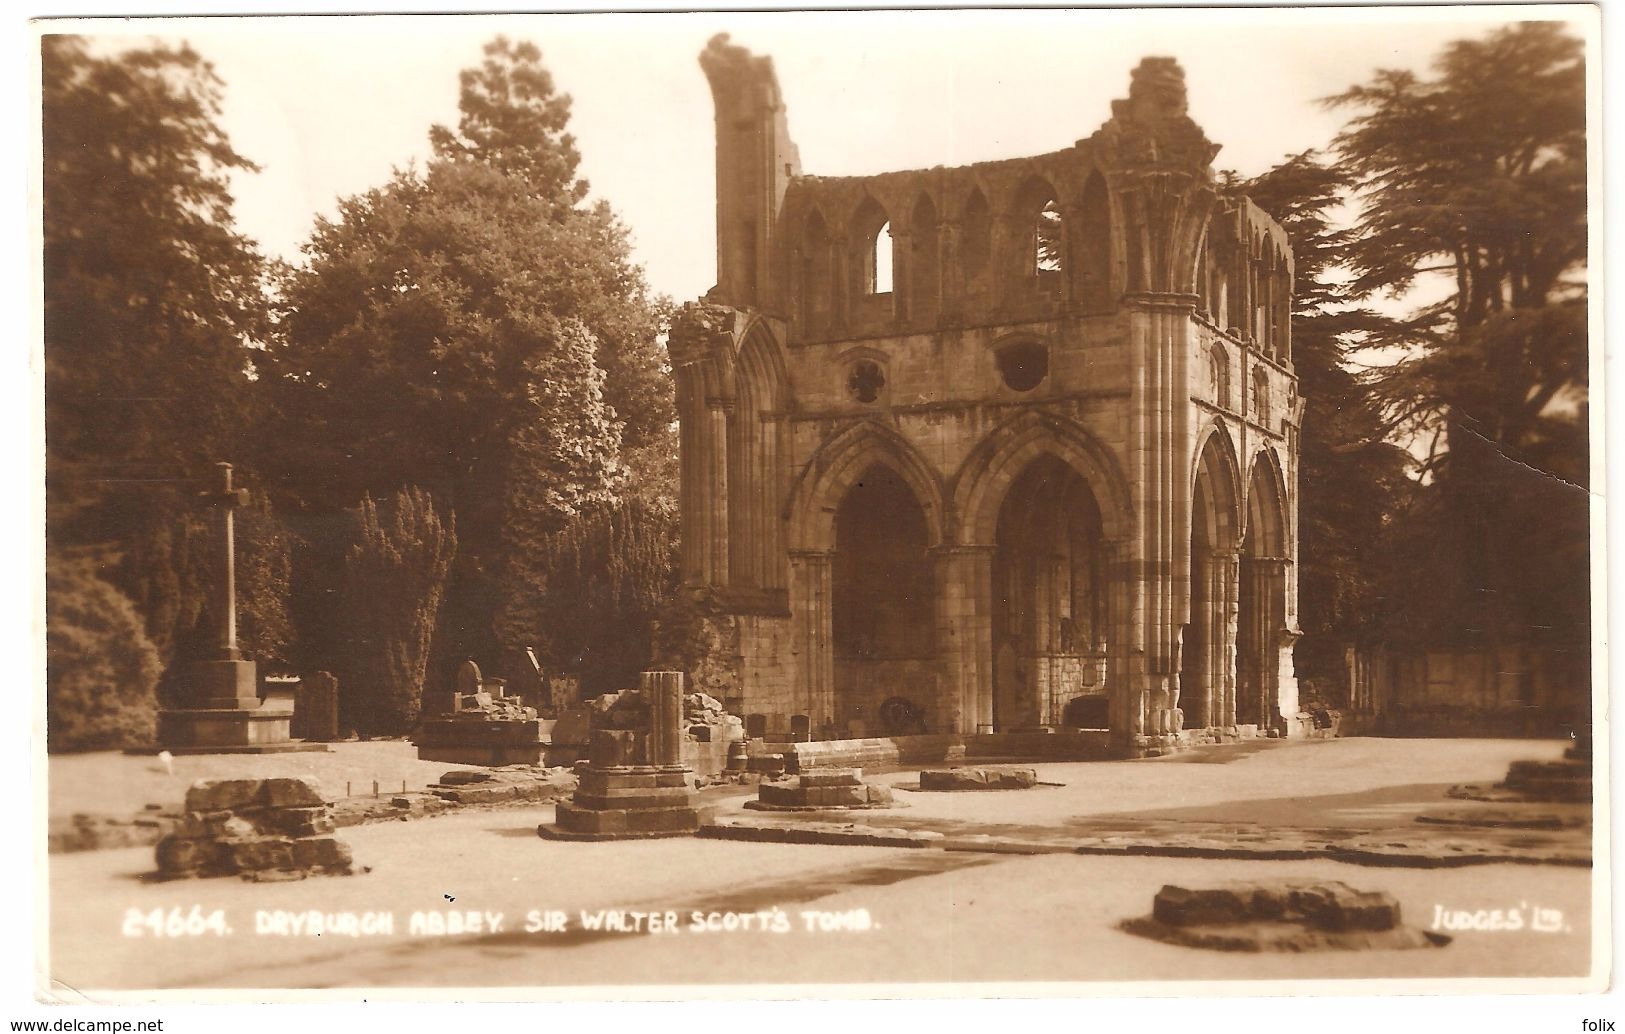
(819, 504)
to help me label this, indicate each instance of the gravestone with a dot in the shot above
(468, 682)
(316, 710)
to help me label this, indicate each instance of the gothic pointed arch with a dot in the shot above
(975, 236)
(1093, 268)
(1217, 487)
(985, 477)
(925, 262)
(839, 464)
(814, 273)
(1266, 531)
(756, 535)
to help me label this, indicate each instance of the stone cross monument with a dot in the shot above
(219, 710)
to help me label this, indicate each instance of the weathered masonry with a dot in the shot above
(1016, 442)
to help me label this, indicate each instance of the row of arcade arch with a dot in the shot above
(1002, 601)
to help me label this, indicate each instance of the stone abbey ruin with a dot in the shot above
(1001, 449)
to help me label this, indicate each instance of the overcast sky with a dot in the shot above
(328, 106)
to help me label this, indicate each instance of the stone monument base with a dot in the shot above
(472, 739)
(225, 714)
(629, 802)
(828, 789)
(237, 730)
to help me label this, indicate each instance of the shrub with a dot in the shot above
(394, 577)
(102, 670)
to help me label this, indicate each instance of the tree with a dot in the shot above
(151, 297)
(472, 329)
(1477, 174)
(152, 303)
(393, 580)
(512, 121)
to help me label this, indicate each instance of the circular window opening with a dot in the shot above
(1024, 366)
(866, 380)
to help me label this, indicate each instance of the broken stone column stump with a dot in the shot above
(259, 829)
(629, 802)
(821, 790)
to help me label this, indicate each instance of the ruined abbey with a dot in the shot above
(1004, 447)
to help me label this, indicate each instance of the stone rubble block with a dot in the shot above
(223, 794)
(828, 789)
(1328, 905)
(1287, 916)
(256, 828)
(832, 777)
(978, 778)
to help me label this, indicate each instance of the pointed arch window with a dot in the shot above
(1261, 394)
(1218, 375)
(1047, 241)
(878, 275)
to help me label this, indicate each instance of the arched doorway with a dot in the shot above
(1261, 617)
(1207, 682)
(883, 625)
(1049, 602)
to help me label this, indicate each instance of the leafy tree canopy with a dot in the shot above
(151, 296)
(1479, 173)
(474, 328)
(512, 120)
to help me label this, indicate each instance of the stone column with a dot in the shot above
(693, 458)
(1226, 583)
(227, 499)
(811, 619)
(225, 681)
(950, 277)
(1158, 467)
(964, 583)
(716, 474)
(663, 692)
(903, 304)
(1266, 646)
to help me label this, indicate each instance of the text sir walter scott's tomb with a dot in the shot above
(1016, 443)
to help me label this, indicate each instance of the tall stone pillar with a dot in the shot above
(964, 584)
(1265, 642)
(1159, 471)
(1225, 569)
(812, 621)
(716, 475)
